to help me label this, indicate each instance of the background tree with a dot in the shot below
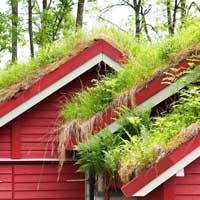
(48, 20)
(183, 10)
(80, 11)
(30, 27)
(14, 17)
(140, 9)
(5, 28)
(55, 16)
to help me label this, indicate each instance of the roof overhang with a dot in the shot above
(99, 51)
(170, 165)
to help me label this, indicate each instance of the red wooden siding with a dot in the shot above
(33, 132)
(188, 187)
(5, 141)
(156, 194)
(40, 181)
(6, 182)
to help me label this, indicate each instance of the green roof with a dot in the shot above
(143, 140)
(144, 61)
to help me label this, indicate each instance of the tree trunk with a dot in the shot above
(137, 7)
(80, 11)
(91, 185)
(107, 185)
(30, 27)
(43, 23)
(145, 25)
(14, 5)
(183, 10)
(174, 14)
(44, 4)
(169, 17)
(106, 194)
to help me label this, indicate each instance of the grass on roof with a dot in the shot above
(144, 59)
(143, 139)
(148, 138)
(16, 72)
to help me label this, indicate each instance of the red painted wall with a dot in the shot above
(5, 141)
(156, 194)
(32, 134)
(40, 181)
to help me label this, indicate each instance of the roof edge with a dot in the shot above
(148, 176)
(99, 46)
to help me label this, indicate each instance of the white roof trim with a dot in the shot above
(181, 173)
(160, 96)
(113, 64)
(168, 173)
(57, 85)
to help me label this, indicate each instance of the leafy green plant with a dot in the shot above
(141, 140)
(142, 149)
(93, 153)
(99, 156)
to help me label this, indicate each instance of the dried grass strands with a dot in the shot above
(82, 130)
(185, 135)
(126, 99)
(184, 55)
(78, 130)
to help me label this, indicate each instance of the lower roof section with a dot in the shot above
(160, 172)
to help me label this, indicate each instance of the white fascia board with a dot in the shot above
(160, 96)
(168, 173)
(181, 173)
(111, 63)
(57, 85)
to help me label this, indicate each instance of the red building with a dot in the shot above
(28, 140)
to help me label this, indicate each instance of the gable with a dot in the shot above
(68, 71)
(33, 134)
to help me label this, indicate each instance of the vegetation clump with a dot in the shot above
(143, 140)
(144, 60)
(16, 72)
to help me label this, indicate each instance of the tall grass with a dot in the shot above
(15, 72)
(144, 59)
